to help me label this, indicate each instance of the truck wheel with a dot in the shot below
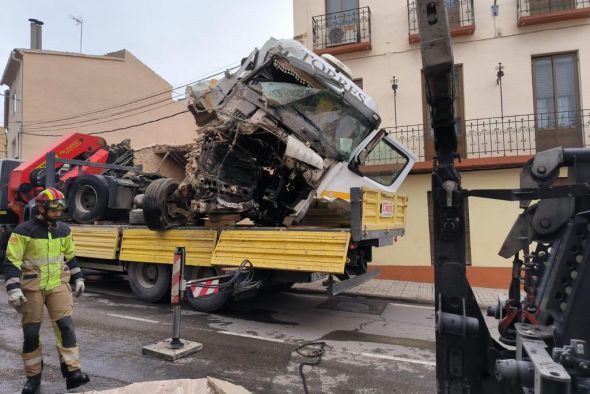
(209, 303)
(87, 199)
(156, 207)
(136, 216)
(149, 282)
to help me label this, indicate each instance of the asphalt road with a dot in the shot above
(373, 346)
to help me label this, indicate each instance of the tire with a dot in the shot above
(136, 216)
(210, 303)
(150, 282)
(155, 212)
(88, 196)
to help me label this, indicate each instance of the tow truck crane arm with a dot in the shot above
(550, 329)
(465, 352)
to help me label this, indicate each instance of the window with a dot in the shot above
(555, 89)
(453, 12)
(333, 126)
(556, 96)
(340, 5)
(545, 6)
(342, 21)
(383, 164)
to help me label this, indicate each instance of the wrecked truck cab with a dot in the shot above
(284, 129)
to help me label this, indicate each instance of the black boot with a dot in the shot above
(64, 369)
(76, 379)
(33, 385)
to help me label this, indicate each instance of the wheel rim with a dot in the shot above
(148, 275)
(86, 199)
(167, 215)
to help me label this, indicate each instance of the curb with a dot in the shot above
(367, 295)
(407, 300)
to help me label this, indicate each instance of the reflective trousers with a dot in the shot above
(59, 303)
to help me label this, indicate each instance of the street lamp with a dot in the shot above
(499, 75)
(394, 87)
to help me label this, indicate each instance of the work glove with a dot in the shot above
(16, 298)
(80, 287)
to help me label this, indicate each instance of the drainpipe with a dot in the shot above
(22, 86)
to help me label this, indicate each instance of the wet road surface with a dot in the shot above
(373, 346)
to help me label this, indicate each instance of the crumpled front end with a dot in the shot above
(269, 133)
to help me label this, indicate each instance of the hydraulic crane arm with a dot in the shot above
(549, 327)
(437, 65)
(465, 352)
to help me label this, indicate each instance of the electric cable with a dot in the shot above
(130, 102)
(125, 127)
(312, 351)
(245, 267)
(111, 118)
(113, 130)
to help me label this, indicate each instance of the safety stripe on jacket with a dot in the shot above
(35, 255)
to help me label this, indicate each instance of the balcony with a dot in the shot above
(342, 32)
(515, 135)
(534, 12)
(460, 15)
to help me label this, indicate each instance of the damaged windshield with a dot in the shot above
(334, 122)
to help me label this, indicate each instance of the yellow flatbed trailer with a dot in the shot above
(278, 256)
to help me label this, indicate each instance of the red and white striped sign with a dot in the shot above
(205, 290)
(175, 299)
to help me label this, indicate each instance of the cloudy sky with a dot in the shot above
(179, 39)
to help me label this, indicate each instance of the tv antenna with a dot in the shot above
(79, 21)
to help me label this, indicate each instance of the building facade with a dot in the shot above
(521, 81)
(55, 93)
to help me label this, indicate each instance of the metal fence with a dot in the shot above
(460, 14)
(534, 7)
(513, 135)
(341, 28)
(412, 137)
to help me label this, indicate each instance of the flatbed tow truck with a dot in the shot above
(279, 256)
(290, 180)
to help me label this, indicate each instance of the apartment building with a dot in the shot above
(521, 74)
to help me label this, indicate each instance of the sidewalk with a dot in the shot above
(413, 292)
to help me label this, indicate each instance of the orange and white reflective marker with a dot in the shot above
(206, 288)
(176, 275)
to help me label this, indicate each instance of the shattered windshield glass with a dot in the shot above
(333, 121)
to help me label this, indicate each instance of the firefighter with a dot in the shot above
(38, 267)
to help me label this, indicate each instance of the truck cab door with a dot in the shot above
(380, 162)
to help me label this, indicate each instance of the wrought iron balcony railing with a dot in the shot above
(515, 135)
(339, 29)
(532, 12)
(459, 12)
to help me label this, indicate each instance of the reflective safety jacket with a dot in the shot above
(40, 256)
